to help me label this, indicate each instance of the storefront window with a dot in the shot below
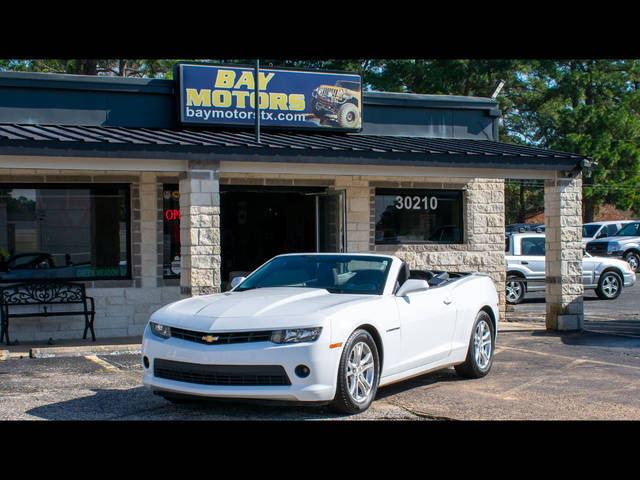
(171, 231)
(64, 232)
(418, 216)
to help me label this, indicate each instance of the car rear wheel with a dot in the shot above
(609, 286)
(514, 290)
(358, 374)
(481, 348)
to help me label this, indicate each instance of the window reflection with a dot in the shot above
(70, 232)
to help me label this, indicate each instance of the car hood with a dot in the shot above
(275, 307)
(606, 261)
(621, 239)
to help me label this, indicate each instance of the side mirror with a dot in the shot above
(412, 286)
(236, 281)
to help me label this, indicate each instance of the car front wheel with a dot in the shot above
(609, 286)
(481, 348)
(358, 374)
(633, 259)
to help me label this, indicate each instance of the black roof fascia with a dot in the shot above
(89, 83)
(504, 161)
(449, 102)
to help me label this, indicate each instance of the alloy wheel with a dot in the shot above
(610, 286)
(360, 372)
(483, 344)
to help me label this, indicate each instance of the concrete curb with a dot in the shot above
(48, 352)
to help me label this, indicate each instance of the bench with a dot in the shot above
(44, 294)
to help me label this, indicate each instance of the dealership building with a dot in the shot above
(147, 191)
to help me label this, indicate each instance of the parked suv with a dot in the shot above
(595, 230)
(625, 244)
(525, 259)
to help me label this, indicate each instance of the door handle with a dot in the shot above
(524, 263)
(448, 301)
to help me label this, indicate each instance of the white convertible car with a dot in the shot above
(321, 328)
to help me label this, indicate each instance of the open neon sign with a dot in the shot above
(172, 214)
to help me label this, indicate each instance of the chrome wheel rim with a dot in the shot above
(360, 372)
(482, 342)
(632, 260)
(514, 291)
(610, 285)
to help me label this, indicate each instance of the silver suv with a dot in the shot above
(525, 258)
(625, 244)
(596, 230)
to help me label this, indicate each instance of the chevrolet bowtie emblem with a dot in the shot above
(209, 338)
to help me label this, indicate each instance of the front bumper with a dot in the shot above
(194, 367)
(629, 279)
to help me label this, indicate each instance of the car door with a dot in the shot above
(427, 323)
(532, 258)
(588, 269)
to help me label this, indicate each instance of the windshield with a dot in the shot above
(632, 230)
(589, 230)
(336, 273)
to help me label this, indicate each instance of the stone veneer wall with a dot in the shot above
(200, 233)
(563, 221)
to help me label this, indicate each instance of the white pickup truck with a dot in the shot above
(525, 259)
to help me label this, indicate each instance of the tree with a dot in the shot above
(150, 68)
(589, 107)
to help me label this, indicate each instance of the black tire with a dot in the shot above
(609, 286)
(477, 364)
(349, 397)
(515, 288)
(633, 259)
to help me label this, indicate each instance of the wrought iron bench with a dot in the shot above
(44, 294)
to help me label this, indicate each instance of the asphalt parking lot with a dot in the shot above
(537, 375)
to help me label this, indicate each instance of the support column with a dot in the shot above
(200, 230)
(148, 230)
(563, 222)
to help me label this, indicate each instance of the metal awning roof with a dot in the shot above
(27, 139)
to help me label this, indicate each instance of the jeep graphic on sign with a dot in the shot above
(340, 102)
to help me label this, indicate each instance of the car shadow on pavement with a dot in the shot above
(103, 405)
(427, 380)
(139, 403)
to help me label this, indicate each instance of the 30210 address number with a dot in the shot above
(416, 202)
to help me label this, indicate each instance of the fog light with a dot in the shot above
(302, 371)
(145, 361)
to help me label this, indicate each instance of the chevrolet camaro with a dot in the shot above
(321, 328)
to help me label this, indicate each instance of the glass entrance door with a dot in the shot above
(331, 231)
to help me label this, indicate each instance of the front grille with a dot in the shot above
(595, 248)
(222, 338)
(220, 374)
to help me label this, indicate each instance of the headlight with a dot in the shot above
(160, 330)
(296, 335)
(613, 247)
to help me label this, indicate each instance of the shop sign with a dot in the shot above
(217, 95)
